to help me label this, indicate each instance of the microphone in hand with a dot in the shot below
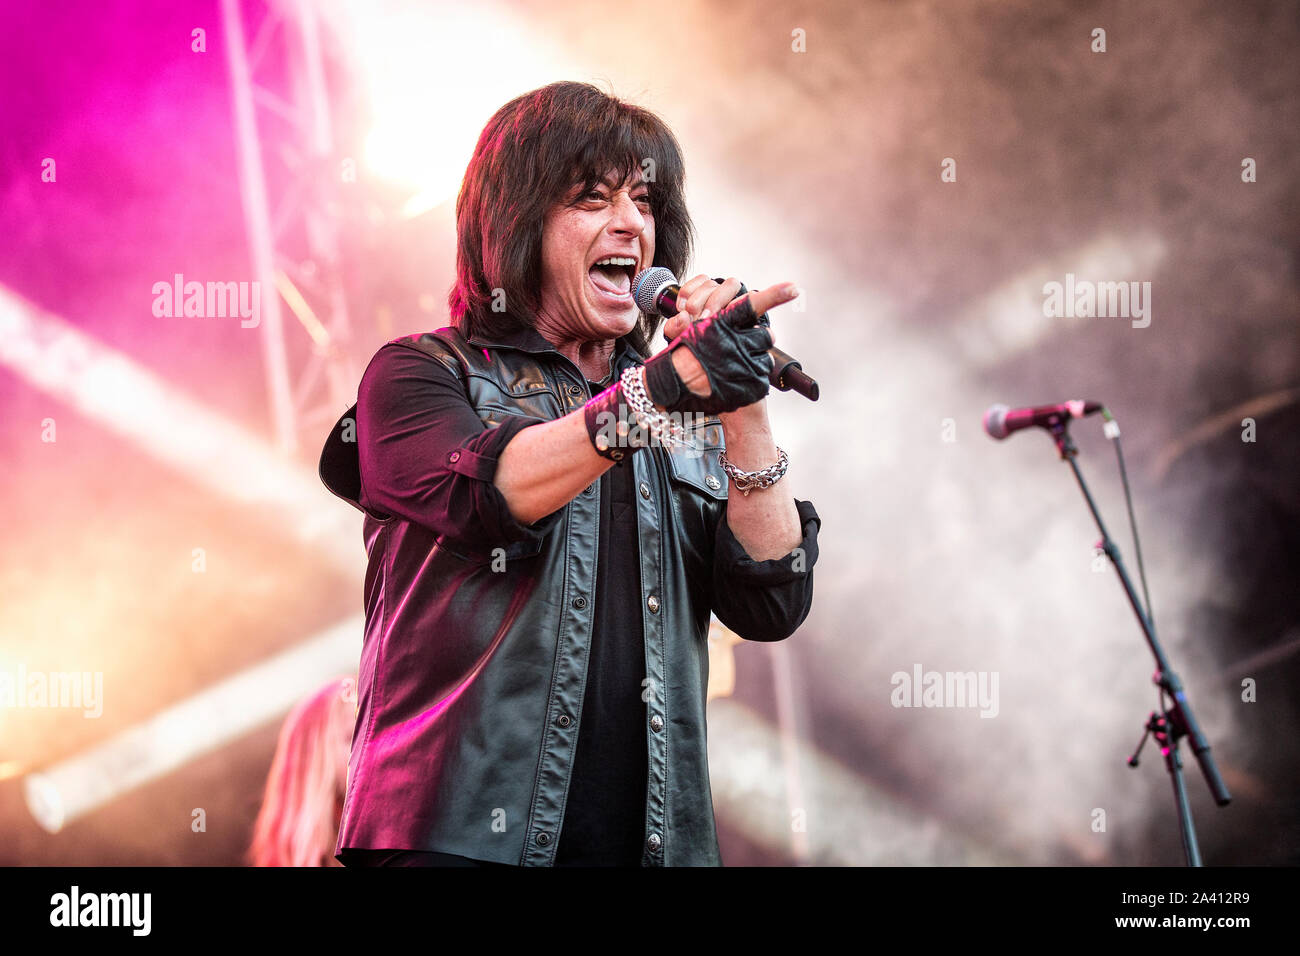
(656, 290)
(731, 347)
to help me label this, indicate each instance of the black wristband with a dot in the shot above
(610, 423)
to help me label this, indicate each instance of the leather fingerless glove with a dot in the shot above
(732, 349)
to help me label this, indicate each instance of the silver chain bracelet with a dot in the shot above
(747, 481)
(661, 427)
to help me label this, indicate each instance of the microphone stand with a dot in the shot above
(1178, 721)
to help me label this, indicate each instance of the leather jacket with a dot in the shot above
(472, 670)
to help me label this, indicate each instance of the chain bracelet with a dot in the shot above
(661, 427)
(747, 481)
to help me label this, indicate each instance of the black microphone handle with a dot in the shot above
(788, 375)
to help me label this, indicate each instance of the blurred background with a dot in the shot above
(920, 169)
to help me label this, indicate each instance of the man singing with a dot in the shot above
(546, 541)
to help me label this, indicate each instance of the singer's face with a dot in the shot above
(579, 299)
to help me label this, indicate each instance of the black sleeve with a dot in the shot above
(765, 600)
(426, 456)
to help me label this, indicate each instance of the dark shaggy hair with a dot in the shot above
(530, 156)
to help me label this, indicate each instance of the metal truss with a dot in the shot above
(306, 399)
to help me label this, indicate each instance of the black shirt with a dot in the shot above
(604, 814)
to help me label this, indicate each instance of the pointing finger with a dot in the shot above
(773, 296)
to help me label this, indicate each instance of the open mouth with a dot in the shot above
(611, 276)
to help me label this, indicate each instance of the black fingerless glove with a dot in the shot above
(732, 349)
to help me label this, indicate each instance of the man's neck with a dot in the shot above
(593, 358)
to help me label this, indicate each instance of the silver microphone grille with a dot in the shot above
(995, 421)
(647, 286)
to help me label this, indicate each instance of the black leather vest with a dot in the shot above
(472, 677)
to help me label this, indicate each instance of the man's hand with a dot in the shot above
(701, 297)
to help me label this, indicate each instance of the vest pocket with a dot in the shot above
(701, 472)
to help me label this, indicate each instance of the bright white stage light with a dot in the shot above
(107, 386)
(435, 75)
(60, 794)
